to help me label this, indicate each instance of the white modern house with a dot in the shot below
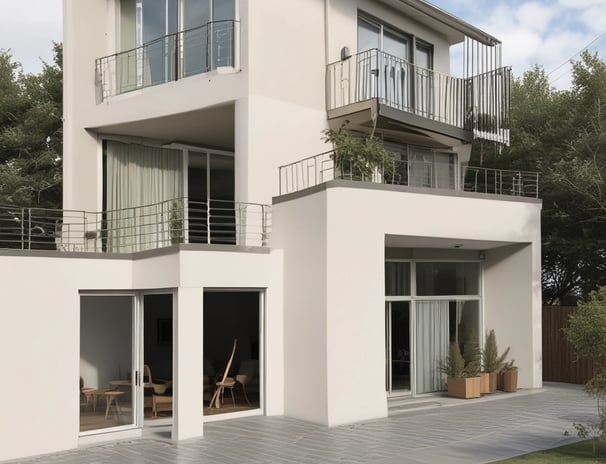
(203, 206)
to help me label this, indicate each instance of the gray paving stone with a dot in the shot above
(474, 432)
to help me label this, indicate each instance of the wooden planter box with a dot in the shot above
(484, 382)
(492, 382)
(510, 380)
(488, 382)
(464, 387)
(500, 381)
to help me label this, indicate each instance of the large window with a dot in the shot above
(395, 67)
(422, 167)
(165, 40)
(428, 305)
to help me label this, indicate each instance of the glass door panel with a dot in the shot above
(196, 15)
(369, 42)
(445, 171)
(421, 168)
(157, 378)
(431, 347)
(211, 209)
(423, 81)
(398, 346)
(395, 81)
(223, 33)
(221, 199)
(157, 19)
(107, 362)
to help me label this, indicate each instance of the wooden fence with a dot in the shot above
(560, 363)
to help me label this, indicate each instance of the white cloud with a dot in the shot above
(535, 16)
(543, 32)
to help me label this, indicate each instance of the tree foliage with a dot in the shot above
(587, 326)
(31, 133)
(358, 157)
(586, 331)
(562, 135)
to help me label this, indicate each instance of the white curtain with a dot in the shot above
(432, 336)
(144, 191)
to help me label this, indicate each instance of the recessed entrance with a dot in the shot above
(429, 304)
(232, 318)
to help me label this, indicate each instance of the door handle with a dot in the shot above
(137, 378)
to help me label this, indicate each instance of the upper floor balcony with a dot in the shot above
(212, 46)
(418, 172)
(417, 98)
(141, 228)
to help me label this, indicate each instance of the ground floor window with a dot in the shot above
(422, 319)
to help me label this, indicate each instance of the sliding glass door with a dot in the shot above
(398, 346)
(429, 305)
(126, 359)
(431, 344)
(108, 362)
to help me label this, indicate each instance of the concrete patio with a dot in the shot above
(473, 431)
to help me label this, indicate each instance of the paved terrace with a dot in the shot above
(475, 431)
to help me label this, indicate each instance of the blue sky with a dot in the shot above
(544, 32)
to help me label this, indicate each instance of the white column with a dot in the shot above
(187, 371)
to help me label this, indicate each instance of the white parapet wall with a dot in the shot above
(334, 285)
(41, 344)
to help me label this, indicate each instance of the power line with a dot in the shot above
(577, 53)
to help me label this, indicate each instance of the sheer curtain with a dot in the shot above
(432, 335)
(144, 188)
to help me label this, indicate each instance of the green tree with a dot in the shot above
(587, 333)
(31, 133)
(560, 134)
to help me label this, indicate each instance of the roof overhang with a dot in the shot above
(455, 29)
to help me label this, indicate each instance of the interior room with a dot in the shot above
(232, 347)
(111, 356)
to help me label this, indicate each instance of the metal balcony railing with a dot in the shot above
(169, 58)
(316, 170)
(141, 228)
(480, 103)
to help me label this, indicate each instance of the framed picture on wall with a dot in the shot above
(165, 331)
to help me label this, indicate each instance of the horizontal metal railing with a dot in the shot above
(480, 103)
(500, 181)
(168, 58)
(136, 229)
(318, 169)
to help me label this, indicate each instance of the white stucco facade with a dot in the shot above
(319, 266)
(334, 286)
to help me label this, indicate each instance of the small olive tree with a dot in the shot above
(587, 333)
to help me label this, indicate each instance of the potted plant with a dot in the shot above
(359, 158)
(176, 222)
(459, 385)
(492, 363)
(472, 354)
(510, 377)
(461, 382)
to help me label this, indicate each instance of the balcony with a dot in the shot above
(169, 58)
(321, 168)
(136, 229)
(460, 108)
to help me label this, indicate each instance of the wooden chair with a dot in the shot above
(246, 373)
(226, 382)
(87, 393)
